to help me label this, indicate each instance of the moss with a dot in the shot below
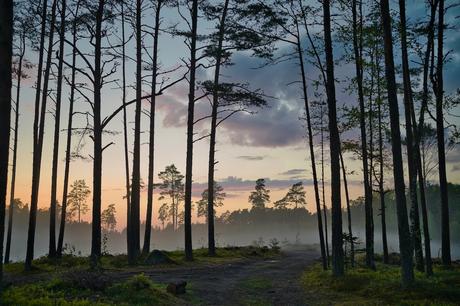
(140, 290)
(361, 286)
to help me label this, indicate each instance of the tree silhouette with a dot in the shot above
(261, 196)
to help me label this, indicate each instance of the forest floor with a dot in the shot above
(240, 276)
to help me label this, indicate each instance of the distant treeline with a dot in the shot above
(247, 226)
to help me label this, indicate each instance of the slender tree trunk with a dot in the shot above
(381, 170)
(445, 231)
(38, 148)
(418, 135)
(212, 143)
(362, 121)
(323, 190)
(148, 219)
(125, 123)
(134, 245)
(334, 144)
(15, 147)
(97, 139)
(52, 229)
(347, 197)
(6, 53)
(408, 102)
(312, 152)
(190, 121)
(69, 137)
(405, 242)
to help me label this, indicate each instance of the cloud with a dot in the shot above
(251, 158)
(293, 172)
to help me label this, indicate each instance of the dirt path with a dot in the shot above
(245, 282)
(271, 282)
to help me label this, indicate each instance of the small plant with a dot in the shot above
(274, 244)
(105, 239)
(259, 242)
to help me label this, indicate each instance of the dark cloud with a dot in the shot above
(293, 172)
(251, 158)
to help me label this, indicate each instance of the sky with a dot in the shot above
(270, 144)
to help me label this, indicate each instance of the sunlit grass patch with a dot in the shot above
(361, 286)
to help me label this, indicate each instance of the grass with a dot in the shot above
(70, 281)
(249, 291)
(138, 290)
(120, 262)
(361, 286)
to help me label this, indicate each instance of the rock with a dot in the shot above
(157, 257)
(176, 288)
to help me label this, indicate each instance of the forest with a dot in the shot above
(229, 152)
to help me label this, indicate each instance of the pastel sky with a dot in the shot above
(269, 144)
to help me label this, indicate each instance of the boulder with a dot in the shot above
(176, 287)
(157, 257)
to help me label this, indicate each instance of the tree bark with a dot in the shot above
(408, 102)
(125, 124)
(369, 222)
(405, 242)
(381, 165)
(418, 134)
(445, 231)
(347, 198)
(69, 137)
(334, 143)
(6, 52)
(312, 150)
(134, 245)
(212, 143)
(148, 219)
(57, 118)
(15, 147)
(190, 121)
(38, 147)
(323, 191)
(97, 139)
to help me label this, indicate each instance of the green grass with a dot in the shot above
(120, 262)
(249, 291)
(362, 286)
(70, 281)
(138, 290)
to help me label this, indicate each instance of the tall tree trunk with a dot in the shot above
(418, 135)
(22, 39)
(347, 198)
(369, 223)
(6, 52)
(97, 139)
(125, 123)
(190, 121)
(408, 102)
(405, 242)
(38, 148)
(52, 229)
(323, 190)
(334, 144)
(312, 150)
(445, 231)
(212, 143)
(69, 136)
(134, 245)
(148, 219)
(381, 166)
